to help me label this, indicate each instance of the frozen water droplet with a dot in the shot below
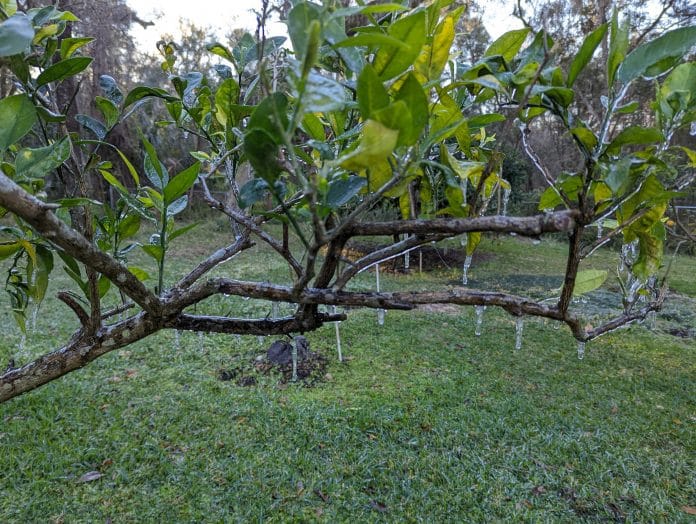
(22, 343)
(334, 310)
(294, 361)
(275, 310)
(600, 228)
(380, 316)
(260, 339)
(581, 350)
(506, 199)
(465, 270)
(536, 242)
(692, 130)
(519, 325)
(177, 340)
(479, 318)
(464, 240)
(377, 277)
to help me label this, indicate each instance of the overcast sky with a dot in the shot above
(222, 16)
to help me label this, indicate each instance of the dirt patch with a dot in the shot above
(427, 258)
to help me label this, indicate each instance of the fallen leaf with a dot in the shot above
(90, 476)
(319, 512)
(689, 510)
(614, 410)
(538, 490)
(130, 373)
(106, 463)
(328, 377)
(299, 487)
(321, 495)
(378, 506)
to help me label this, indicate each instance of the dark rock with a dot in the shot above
(280, 353)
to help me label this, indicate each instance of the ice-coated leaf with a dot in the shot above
(16, 35)
(63, 69)
(589, 280)
(37, 163)
(376, 144)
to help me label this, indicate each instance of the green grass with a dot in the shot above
(424, 422)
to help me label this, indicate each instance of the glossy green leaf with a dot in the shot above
(221, 50)
(271, 116)
(141, 92)
(390, 61)
(585, 136)
(9, 248)
(508, 44)
(313, 126)
(182, 230)
(618, 45)
(181, 183)
(155, 171)
(634, 135)
(108, 110)
(138, 273)
(371, 92)
(434, 56)
(589, 280)
(673, 44)
(37, 163)
(585, 53)
(300, 18)
(372, 40)
(17, 116)
(63, 69)
(155, 251)
(16, 35)
(226, 97)
(412, 94)
(262, 152)
(68, 46)
(341, 190)
(376, 144)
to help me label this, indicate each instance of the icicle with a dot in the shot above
(420, 261)
(294, 361)
(275, 309)
(633, 289)
(465, 268)
(464, 240)
(652, 320)
(177, 340)
(506, 199)
(519, 324)
(600, 228)
(260, 339)
(479, 318)
(380, 312)
(22, 343)
(334, 310)
(407, 261)
(34, 314)
(581, 350)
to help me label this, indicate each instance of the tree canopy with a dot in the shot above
(307, 141)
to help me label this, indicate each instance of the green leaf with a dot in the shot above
(371, 40)
(103, 285)
(376, 144)
(177, 206)
(226, 97)
(253, 191)
(16, 35)
(262, 151)
(271, 116)
(94, 125)
(154, 251)
(141, 92)
(569, 184)
(434, 56)
(634, 135)
(181, 183)
(585, 136)
(508, 44)
(584, 55)
(589, 280)
(154, 169)
(108, 109)
(17, 116)
(322, 94)
(300, 19)
(397, 116)
(371, 93)
(673, 44)
(63, 69)
(393, 60)
(129, 226)
(313, 126)
(37, 163)
(341, 190)
(220, 50)
(68, 46)
(9, 248)
(138, 273)
(618, 179)
(412, 94)
(618, 44)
